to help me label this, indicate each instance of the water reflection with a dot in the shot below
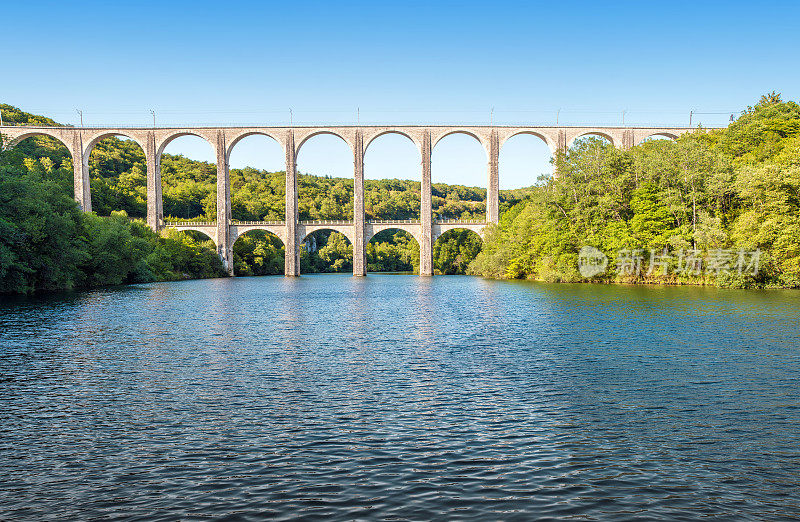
(398, 396)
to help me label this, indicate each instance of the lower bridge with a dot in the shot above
(349, 229)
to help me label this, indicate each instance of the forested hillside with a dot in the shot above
(706, 206)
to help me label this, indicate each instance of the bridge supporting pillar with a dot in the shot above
(493, 190)
(155, 208)
(627, 139)
(359, 252)
(561, 149)
(224, 245)
(292, 259)
(80, 165)
(426, 210)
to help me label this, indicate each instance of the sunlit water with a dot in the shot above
(400, 397)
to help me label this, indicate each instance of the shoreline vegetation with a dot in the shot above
(728, 190)
(713, 193)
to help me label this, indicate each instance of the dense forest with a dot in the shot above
(42, 168)
(692, 211)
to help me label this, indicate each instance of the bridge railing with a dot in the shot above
(329, 222)
(190, 223)
(245, 223)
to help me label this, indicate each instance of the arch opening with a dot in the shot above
(325, 179)
(393, 250)
(525, 160)
(118, 176)
(258, 179)
(326, 250)
(589, 137)
(46, 158)
(659, 136)
(459, 177)
(392, 178)
(188, 179)
(257, 253)
(454, 250)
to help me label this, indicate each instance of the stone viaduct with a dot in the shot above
(224, 231)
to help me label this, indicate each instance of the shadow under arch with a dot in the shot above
(455, 249)
(392, 250)
(117, 174)
(258, 252)
(326, 250)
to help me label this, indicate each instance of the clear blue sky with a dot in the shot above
(405, 62)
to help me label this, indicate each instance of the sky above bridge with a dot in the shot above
(199, 62)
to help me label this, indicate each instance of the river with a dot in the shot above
(394, 396)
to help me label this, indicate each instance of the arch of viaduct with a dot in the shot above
(81, 141)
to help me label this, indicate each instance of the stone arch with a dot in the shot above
(40, 132)
(247, 134)
(446, 228)
(599, 133)
(179, 134)
(100, 136)
(458, 263)
(346, 230)
(390, 227)
(533, 154)
(318, 132)
(247, 254)
(89, 147)
(391, 131)
(450, 132)
(375, 228)
(265, 229)
(278, 230)
(549, 143)
(202, 230)
(664, 134)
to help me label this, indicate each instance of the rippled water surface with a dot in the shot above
(400, 397)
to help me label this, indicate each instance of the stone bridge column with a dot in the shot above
(359, 252)
(224, 245)
(493, 189)
(80, 165)
(292, 259)
(426, 210)
(561, 148)
(155, 208)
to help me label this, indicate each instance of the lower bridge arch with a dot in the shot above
(455, 247)
(385, 252)
(208, 231)
(258, 250)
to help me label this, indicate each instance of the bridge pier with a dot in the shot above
(224, 246)
(426, 210)
(359, 248)
(292, 252)
(80, 166)
(493, 187)
(155, 202)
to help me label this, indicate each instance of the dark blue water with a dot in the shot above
(399, 397)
